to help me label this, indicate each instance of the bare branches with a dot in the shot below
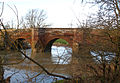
(2, 9)
(117, 6)
(51, 74)
(35, 19)
(16, 13)
(40, 19)
(111, 39)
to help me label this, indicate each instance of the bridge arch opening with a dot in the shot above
(55, 42)
(60, 51)
(21, 43)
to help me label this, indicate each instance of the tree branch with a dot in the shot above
(2, 9)
(51, 74)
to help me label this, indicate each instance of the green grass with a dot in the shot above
(61, 41)
(59, 81)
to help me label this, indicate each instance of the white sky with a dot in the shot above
(60, 13)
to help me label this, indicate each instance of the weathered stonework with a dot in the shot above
(41, 39)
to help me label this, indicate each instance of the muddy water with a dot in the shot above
(56, 62)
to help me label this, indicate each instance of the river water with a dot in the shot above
(27, 72)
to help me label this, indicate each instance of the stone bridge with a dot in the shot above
(43, 38)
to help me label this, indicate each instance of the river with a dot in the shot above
(57, 62)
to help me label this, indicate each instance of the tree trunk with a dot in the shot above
(1, 72)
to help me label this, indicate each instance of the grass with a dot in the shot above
(61, 41)
(59, 81)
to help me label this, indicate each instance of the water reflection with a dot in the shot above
(56, 62)
(61, 55)
(23, 76)
(100, 56)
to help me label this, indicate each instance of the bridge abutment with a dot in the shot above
(76, 41)
(75, 48)
(33, 41)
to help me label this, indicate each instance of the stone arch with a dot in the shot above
(50, 43)
(21, 43)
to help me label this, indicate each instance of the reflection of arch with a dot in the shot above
(21, 43)
(50, 43)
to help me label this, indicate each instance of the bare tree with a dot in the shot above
(106, 44)
(5, 34)
(35, 19)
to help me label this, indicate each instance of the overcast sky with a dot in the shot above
(60, 13)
